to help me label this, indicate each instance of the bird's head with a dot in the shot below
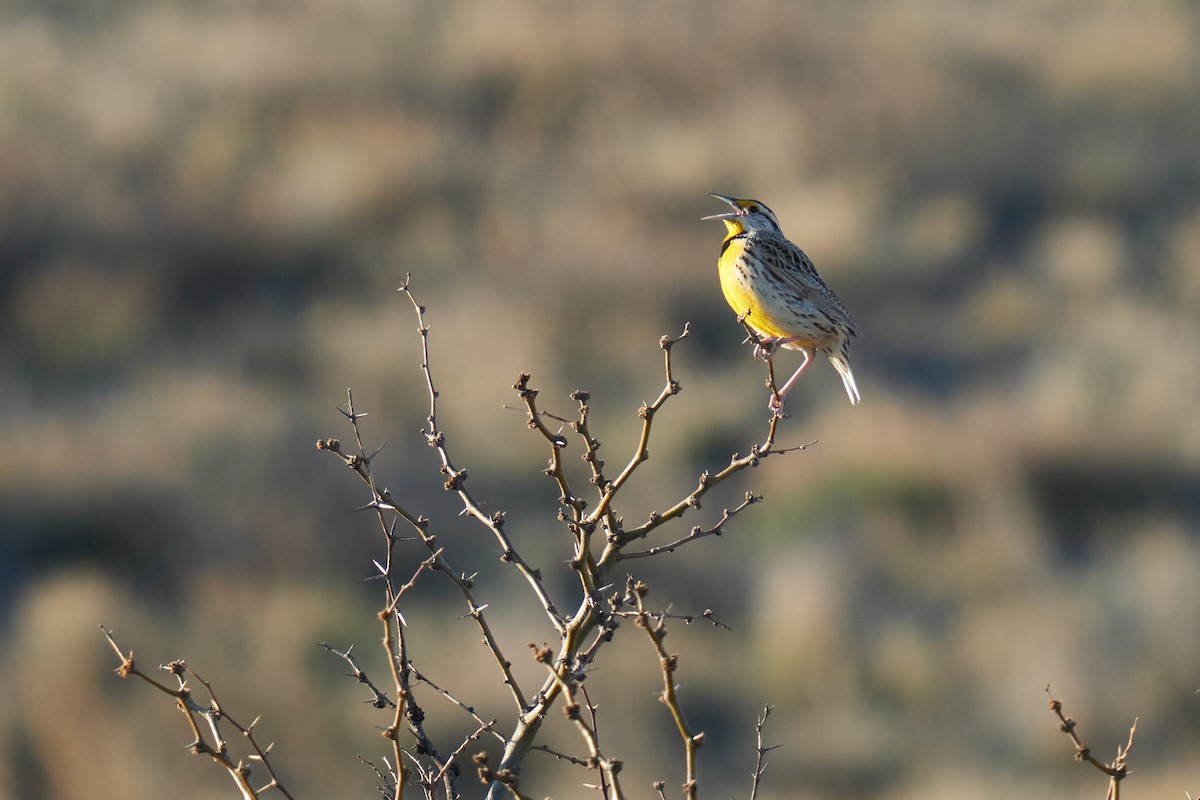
(750, 216)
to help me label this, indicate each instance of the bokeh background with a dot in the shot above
(205, 210)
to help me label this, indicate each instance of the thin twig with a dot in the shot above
(686, 619)
(456, 478)
(760, 761)
(362, 466)
(487, 724)
(696, 532)
(379, 699)
(646, 412)
(1116, 771)
(387, 781)
(656, 630)
(754, 337)
(213, 715)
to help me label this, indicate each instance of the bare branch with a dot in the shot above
(696, 532)
(760, 761)
(597, 542)
(378, 699)
(456, 478)
(656, 630)
(212, 714)
(1117, 770)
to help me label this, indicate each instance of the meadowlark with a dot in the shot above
(772, 282)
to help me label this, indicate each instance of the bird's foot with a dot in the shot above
(764, 348)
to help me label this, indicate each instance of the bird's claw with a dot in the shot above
(764, 349)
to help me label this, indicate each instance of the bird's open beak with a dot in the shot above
(725, 214)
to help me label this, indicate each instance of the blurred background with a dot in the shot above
(205, 211)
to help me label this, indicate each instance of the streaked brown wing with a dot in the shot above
(802, 278)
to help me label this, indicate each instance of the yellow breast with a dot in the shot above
(746, 290)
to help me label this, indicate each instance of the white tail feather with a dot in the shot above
(842, 365)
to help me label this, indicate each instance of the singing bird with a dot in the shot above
(772, 282)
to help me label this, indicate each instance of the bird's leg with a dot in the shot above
(776, 403)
